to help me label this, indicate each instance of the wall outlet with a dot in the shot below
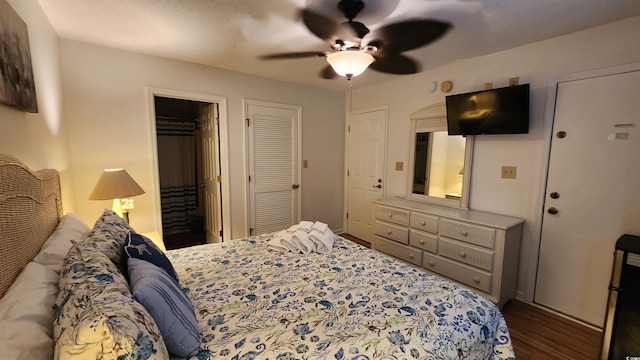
(514, 81)
(399, 165)
(508, 172)
(488, 85)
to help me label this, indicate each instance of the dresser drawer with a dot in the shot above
(468, 254)
(395, 215)
(403, 252)
(392, 232)
(424, 222)
(473, 234)
(464, 274)
(423, 240)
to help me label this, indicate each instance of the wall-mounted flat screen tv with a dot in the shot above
(496, 111)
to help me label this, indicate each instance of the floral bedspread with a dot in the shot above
(354, 303)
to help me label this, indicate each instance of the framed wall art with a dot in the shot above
(17, 87)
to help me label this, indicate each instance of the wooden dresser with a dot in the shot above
(475, 248)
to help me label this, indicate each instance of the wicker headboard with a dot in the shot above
(30, 208)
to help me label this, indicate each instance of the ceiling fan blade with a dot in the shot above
(293, 55)
(407, 35)
(328, 73)
(395, 64)
(359, 28)
(325, 28)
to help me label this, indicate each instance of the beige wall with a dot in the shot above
(106, 100)
(537, 64)
(104, 121)
(41, 139)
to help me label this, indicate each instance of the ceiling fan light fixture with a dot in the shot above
(349, 63)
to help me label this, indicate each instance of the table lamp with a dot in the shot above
(116, 185)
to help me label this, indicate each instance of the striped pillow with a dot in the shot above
(172, 311)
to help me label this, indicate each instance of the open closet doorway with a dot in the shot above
(191, 159)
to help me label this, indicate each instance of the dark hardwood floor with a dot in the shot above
(538, 334)
(186, 239)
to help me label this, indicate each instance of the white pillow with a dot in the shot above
(26, 314)
(58, 244)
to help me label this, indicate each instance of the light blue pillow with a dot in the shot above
(172, 311)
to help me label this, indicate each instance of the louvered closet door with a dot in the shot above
(273, 133)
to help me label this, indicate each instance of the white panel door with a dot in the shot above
(592, 194)
(212, 198)
(273, 148)
(367, 151)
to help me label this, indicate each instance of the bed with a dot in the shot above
(91, 293)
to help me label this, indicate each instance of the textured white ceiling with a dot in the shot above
(231, 34)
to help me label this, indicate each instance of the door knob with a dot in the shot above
(554, 195)
(295, 186)
(379, 180)
(378, 186)
(552, 210)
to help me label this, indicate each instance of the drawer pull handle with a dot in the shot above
(464, 232)
(389, 232)
(476, 280)
(421, 242)
(462, 254)
(422, 222)
(431, 263)
(411, 256)
(390, 215)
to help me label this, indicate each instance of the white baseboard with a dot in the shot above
(567, 317)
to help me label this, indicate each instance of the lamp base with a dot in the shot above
(116, 206)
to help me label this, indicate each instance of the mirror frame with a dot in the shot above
(429, 119)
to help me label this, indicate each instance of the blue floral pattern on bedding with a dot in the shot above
(96, 317)
(354, 303)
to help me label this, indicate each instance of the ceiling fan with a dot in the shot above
(355, 47)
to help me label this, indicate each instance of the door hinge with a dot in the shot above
(251, 231)
(249, 178)
(347, 172)
(347, 215)
(248, 121)
(220, 232)
(349, 128)
(219, 178)
(217, 121)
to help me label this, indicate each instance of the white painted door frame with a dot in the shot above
(547, 133)
(224, 150)
(297, 155)
(348, 113)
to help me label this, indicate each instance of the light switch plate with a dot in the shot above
(305, 164)
(399, 165)
(508, 172)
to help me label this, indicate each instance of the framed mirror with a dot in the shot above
(439, 164)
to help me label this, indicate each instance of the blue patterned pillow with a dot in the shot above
(95, 315)
(167, 304)
(108, 235)
(139, 247)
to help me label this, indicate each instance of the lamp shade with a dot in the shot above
(349, 62)
(115, 184)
